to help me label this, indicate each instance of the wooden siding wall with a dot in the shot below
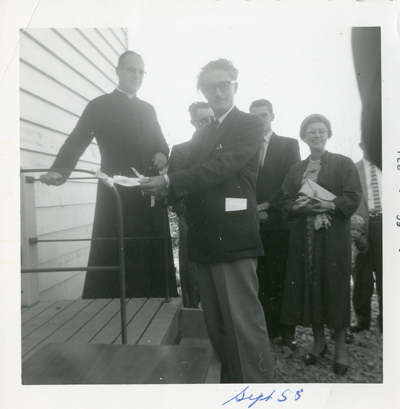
(61, 70)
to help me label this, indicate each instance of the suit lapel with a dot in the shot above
(272, 155)
(216, 137)
(269, 166)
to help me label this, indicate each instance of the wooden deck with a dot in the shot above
(163, 339)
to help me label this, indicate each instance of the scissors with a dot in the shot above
(136, 172)
(152, 198)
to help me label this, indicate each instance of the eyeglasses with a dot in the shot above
(315, 132)
(205, 121)
(134, 71)
(223, 86)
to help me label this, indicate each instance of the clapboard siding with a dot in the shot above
(76, 258)
(36, 159)
(61, 70)
(97, 42)
(94, 55)
(55, 218)
(67, 194)
(47, 250)
(40, 138)
(35, 109)
(32, 81)
(120, 34)
(112, 42)
(49, 62)
(74, 58)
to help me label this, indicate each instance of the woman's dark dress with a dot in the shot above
(328, 299)
(128, 134)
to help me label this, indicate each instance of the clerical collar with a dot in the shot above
(130, 96)
(221, 118)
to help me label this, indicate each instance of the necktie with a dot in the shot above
(375, 190)
(213, 127)
(262, 153)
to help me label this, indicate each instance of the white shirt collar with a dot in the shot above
(268, 135)
(221, 118)
(130, 96)
(366, 162)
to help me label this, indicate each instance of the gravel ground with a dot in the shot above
(365, 357)
(365, 353)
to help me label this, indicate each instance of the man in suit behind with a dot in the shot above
(223, 238)
(370, 210)
(200, 115)
(277, 155)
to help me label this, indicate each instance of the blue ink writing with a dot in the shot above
(297, 396)
(241, 396)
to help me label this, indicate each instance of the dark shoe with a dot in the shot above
(311, 359)
(275, 341)
(349, 337)
(340, 369)
(359, 327)
(289, 342)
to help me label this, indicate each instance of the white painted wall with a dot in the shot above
(61, 70)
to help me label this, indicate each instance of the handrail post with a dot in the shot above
(121, 253)
(29, 253)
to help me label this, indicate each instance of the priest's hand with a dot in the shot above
(52, 178)
(154, 186)
(159, 161)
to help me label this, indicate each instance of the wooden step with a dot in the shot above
(71, 364)
(214, 367)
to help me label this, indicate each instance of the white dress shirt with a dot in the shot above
(267, 138)
(221, 118)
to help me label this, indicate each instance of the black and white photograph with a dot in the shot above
(193, 203)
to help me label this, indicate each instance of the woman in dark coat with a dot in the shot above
(317, 287)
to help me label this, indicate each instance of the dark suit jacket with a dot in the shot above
(220, 166)
(363, 208)
(179, 155)
(281, 154)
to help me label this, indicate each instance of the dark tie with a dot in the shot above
(213, 127)
(262, 154)
(375, 190)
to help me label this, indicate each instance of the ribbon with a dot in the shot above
(121, 180)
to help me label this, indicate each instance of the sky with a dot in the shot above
(301, 71)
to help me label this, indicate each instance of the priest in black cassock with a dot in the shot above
(128, 135)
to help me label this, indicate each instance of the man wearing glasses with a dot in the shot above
(223, 238)
(200, 115)
(128, 135)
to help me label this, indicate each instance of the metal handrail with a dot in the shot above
(121, 253)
